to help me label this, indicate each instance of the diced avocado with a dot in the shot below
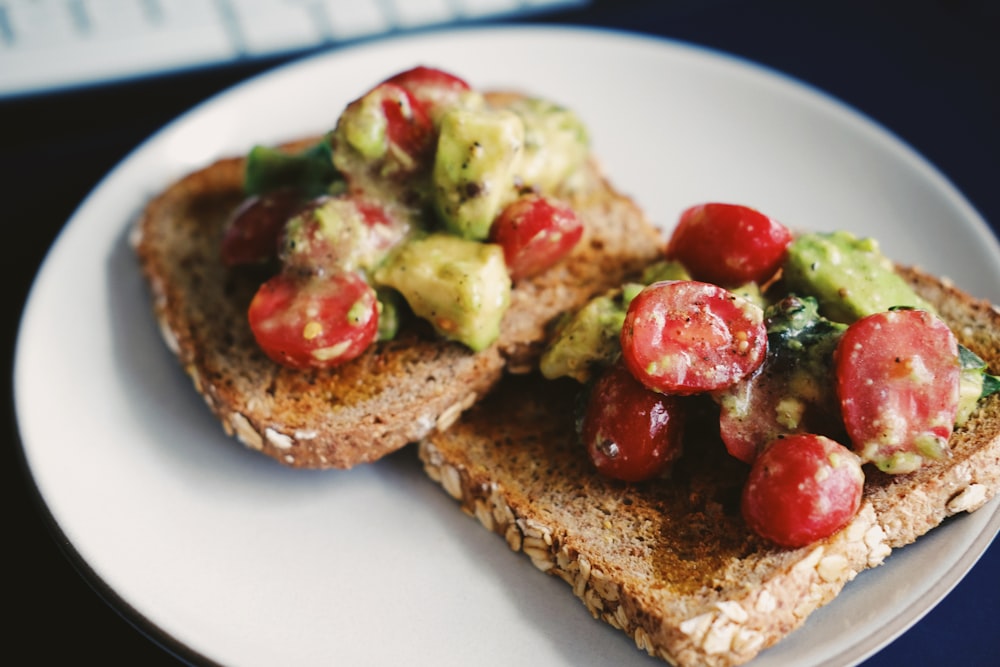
(974, 384)
(461, 287)
(589, 337)
(310, 170)
(363, 126)
(801, 343)
(849, 276)
(664, 269)
(792, 392)
(555, 143)
(477, 152)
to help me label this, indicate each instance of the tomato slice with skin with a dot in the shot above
(802, 488)
(317, 322)
(535, 232)
(688, 337)
(253, 233)
(897, 377)
(630, 432)
(408, 127)
(728, 244)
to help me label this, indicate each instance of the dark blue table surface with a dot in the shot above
(927, 70)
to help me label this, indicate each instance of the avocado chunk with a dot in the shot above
(974, 384)
(310, 170)
(461, 287)
(849, 276)
(588, 338)
(555, 144)
(473, 175)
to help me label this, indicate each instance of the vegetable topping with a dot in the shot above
(251, 237)
(356, 222)
(816, 356)
(802, 488)
(728, 244)
(535, 232)
(686, 337)
(790, 392)
(307, 323)
(897, 376)
(631, 433)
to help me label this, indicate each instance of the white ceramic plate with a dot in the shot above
(245, 562)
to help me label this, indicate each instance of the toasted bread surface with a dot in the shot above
(396, 392)
(671, 562)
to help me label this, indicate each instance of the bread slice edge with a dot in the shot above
(729, 623)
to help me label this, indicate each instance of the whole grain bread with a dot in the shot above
(670, 562)
(396, 392)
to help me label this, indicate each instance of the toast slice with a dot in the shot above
(671, 562)
(396, 392)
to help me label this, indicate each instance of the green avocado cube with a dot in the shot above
(478, 150)
(461, 287)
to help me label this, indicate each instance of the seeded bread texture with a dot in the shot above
(396, 392)
(671, 563)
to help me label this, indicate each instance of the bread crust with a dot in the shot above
(395, 393)
(671, 563)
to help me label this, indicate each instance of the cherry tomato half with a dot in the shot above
(535, 232)
(898, 383)
(389, 131)
(251, 236)
(802, 488)
(728, 244)
(433, 87)
(686, 337)
(314, 322)
(631, 433)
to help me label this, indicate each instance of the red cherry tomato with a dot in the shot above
(433, 87)
(389, 131)
(728, 244)
(631, 433)
(802, 488)
(408, 126)
(898, 383)
(765, 406)
(314, 323)
(686, 337)
(792, 390)
(251, 236)
(535, 232)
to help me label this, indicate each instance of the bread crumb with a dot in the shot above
(245, 431)
(278, 439)
(969, 499)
